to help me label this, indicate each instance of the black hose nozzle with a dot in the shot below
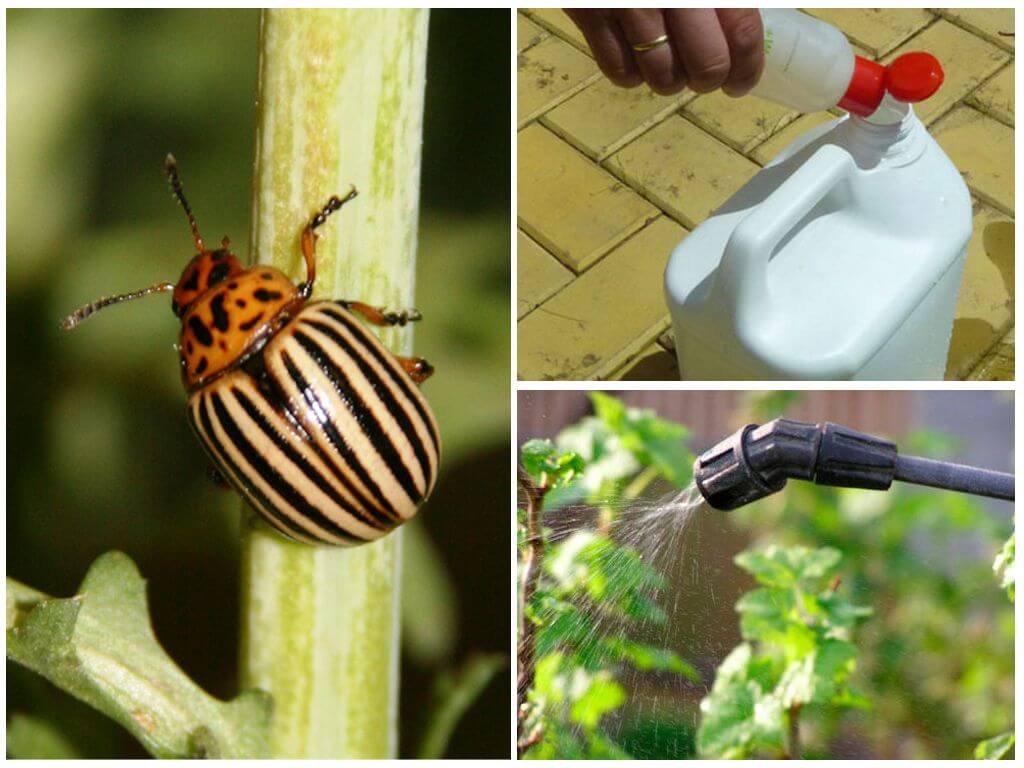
(757, 461)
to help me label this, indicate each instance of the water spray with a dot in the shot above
(757, 461)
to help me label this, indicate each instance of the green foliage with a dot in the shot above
(997, 748)
(595, 595)
(100, 647)
(937, 662)
(454, 693)
(1004, 566)
(798, 651)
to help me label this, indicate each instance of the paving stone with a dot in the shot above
(982, 148)
(654, 363)
(998, 364)
(985, 305)
(540, 275)
(550, 72)
(741, 123)
(571, 206)
(996, 97)
(991, 23)
(528, 34)
(764, 153)
(967, 60)
(683, 169)
(603, 117)
(605, 316)
(558, 22)
(878, 30)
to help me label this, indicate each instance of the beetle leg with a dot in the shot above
(309, 239)
(381, 316)
(419, 370)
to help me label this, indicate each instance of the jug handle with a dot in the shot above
(742, 274)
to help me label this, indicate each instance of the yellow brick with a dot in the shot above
(996, 96)
(652, 364)
(572, 207)
(528, 34)
(686, 171)
(991, 23)
(966, 59)
(549, 72)
(605, 316)
(540, 276)
(764, 153)
(998, 364)
(555, 20)
(985, 307)
(982, 148)
(878, 30)
(602, 117)
(741, 123)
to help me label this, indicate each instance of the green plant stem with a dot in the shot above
(531, 567)
(340, 103)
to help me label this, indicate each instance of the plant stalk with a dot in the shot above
(340, 103)
(527, 651)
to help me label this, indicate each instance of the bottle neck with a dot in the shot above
(892, 135)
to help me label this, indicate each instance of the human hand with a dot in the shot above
(672, 48)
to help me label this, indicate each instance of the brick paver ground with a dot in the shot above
(610, 180)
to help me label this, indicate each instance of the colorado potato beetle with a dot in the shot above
(299, 407)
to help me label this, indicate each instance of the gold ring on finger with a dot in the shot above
(650, 46)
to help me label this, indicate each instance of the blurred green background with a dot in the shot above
(101, 457)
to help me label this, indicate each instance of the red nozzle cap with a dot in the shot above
(914, 77)
(866, 89)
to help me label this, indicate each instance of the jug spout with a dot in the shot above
(892, 135)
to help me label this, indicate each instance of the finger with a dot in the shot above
(609, 46)
(701, 43)
(658, 65)
(744, 34)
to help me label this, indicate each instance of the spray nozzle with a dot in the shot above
(757, 461)
(910, 78)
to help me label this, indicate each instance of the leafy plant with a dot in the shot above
(937, 663)
(798, 653)
(585, 597)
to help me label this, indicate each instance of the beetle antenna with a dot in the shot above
(73, 320)
(171, 166)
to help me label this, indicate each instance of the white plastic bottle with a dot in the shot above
(809, 66)
(841, 259)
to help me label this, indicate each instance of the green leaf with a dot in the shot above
(648, 658)
(595, 697)
(996, 748)
(454, 693)
(786, 566)
(99, 646)
(652, 440)
(1004, 566)
(547, 465)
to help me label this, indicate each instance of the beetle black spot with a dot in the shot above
(233, 285)
(220, 317)
(248, 325)
(202, 365)
(240, 303)
(200, 330)
(223, 345)
(218, 273)
(192, 283)
(218, 255)
(262, 294)
(189, 347)
(267, 276)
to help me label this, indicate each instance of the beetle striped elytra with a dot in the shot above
(300, 408)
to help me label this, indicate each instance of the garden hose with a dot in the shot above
(757, 461)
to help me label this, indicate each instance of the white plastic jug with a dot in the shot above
(841, 259)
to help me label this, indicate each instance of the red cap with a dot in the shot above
(914, 77)
(866, 89)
